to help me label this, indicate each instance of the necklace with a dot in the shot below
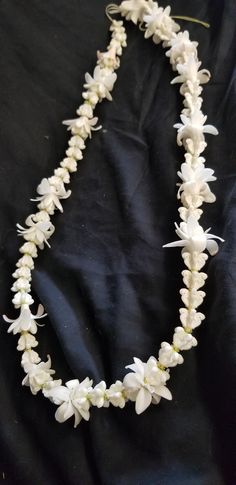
(146, 382)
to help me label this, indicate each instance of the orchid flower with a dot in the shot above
(50, 194)
(26, 322)
(195, 183)
(189, 72)
(159, 24)
(181, 47)
(82, 126)
(72, 400)
(37, 375)
(37, 232)
(133, 10)
(146, 383)
(191, 132)
(193, 237)
(102, 82)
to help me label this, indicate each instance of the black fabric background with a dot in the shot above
(111, 291)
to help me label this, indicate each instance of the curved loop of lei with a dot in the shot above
(146, 381)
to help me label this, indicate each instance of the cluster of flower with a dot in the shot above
(146, 383)
(40, 228)
(194, 189)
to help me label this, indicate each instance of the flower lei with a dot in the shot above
(146, 383)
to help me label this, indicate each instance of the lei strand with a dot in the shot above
(146, 383)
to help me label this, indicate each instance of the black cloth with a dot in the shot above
(110, 290)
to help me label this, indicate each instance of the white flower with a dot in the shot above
(85, 110)
(193, 237)
(114, 44)
(195, 187)
(26, 322)
(194, 161)
(26, 341)
(108, 59)
(69, 163)
(101, 83)
(29, 357)
(159, 24)
(22, 284)
(74, 152)
(193, 279)
(190, 318)
(189, 72)
(76, 145)
(82, 126)
(29, 249)
(37, 232)
(22, 298)
(168, 355)
(78, 142)
(26, 260)
(63, 174)
(185, 213)
(194, 260)
(134, 10)
(22, 272)
(49, 195)
(72, 400)
(192, 298)
(192, 101)
(191, 132)
(42, 215)
(181, 48)
(58, 183)
(117, 26)
(146, 383)
(183, 340)
(91, 97)
(101, 396)
(51, 385)
(37, 375)
(119, 38)
(98, 396)
(115, 394)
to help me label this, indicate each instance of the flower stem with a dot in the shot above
(191, 19)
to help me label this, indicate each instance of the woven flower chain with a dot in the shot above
(146, 381)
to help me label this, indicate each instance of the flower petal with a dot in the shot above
(72, 383)
(163, 391)
(138, 366)
(8, 320)
(57, 395)
(132, 380)
(143, 400)
(78, 418)
(212, 130)
(175, 244)
(212, 247)
(64, 412)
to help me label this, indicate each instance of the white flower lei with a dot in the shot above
(146, 383)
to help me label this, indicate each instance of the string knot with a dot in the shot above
(111, 9)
